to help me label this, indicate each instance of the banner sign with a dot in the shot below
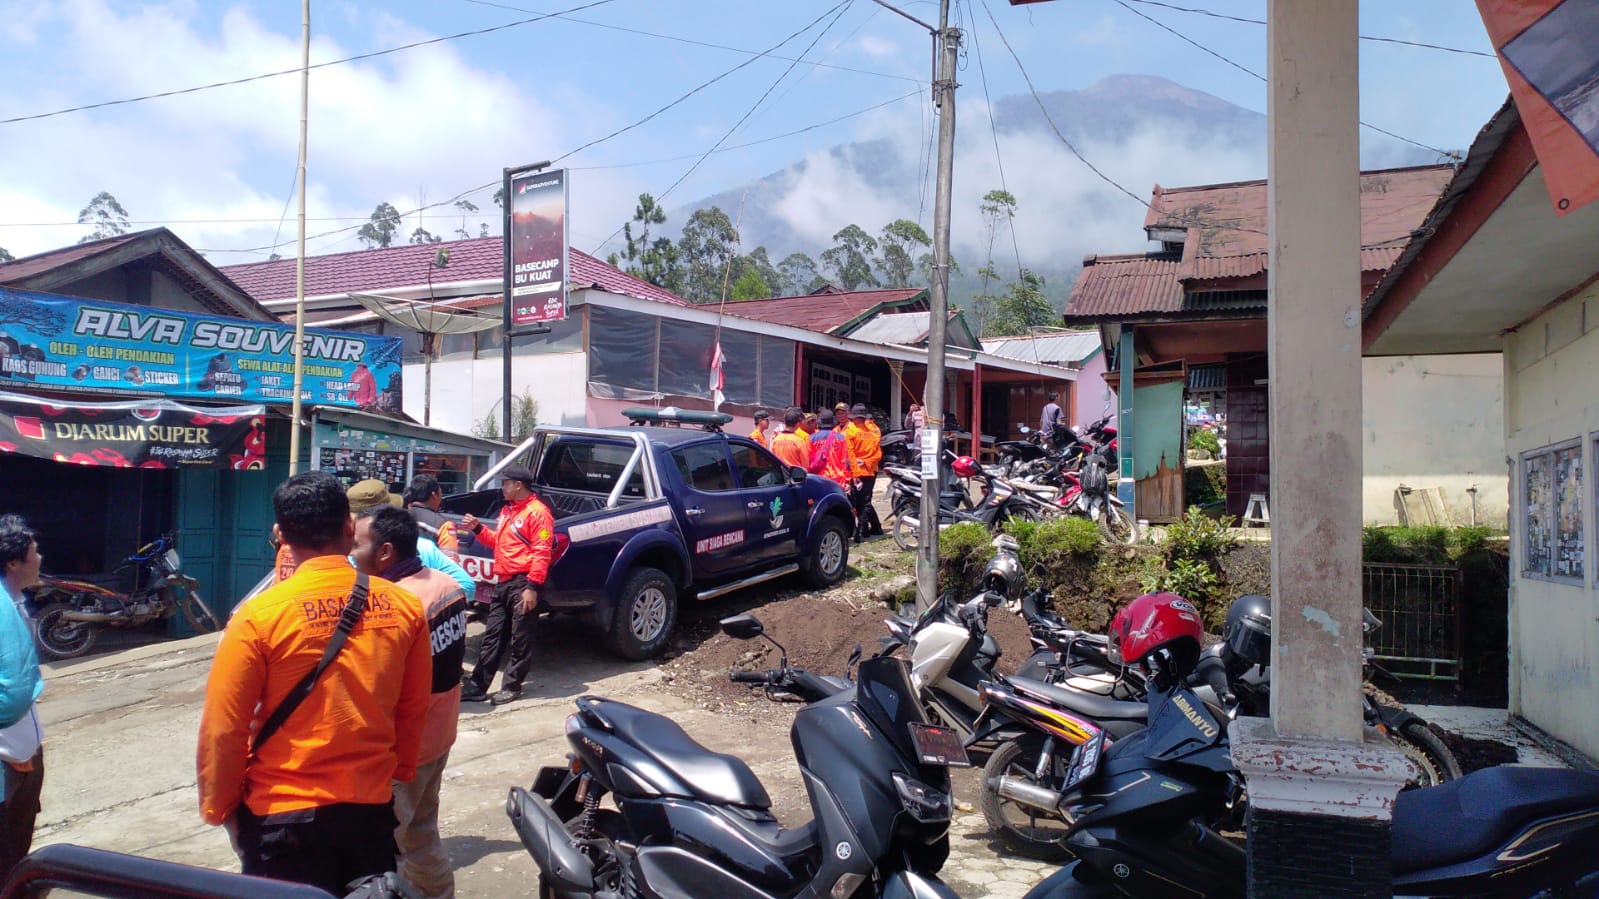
(1549, 50)
(136, 434)
(90, 346)
(536, 258)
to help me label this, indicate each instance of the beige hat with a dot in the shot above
(371, 493)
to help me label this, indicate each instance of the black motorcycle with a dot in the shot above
(1147, 813)
(690, 822)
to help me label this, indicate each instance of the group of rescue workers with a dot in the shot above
(842, 444)
(332, 701)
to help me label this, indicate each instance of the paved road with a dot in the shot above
(120, 740)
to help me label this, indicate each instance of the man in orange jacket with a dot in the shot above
(523, 542)
(314, 803)
(866, 452)
(762, 420)
(792, 447)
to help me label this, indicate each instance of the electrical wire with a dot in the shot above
(297, 69)
(1248, 71)
(993, 130)
(1365, 37)
(837, 12)
(699, 43)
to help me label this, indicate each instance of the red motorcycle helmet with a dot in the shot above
(1157, 621)
(965, 466)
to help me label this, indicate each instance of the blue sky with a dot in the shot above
(423, 125)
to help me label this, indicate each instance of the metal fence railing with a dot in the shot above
(1422, 631)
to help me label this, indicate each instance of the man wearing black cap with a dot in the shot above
(523, 543)
(762, 419)
(865, 452)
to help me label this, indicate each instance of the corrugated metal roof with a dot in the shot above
(908, 328)
(1207, 377)
(1055, 348)
(826, 312)
(21, 269)
(1122, 285)
(389, 268)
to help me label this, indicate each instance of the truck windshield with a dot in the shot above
(590, 466)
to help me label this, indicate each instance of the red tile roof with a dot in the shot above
(476, 259)
(828, 312)
(1226, 247)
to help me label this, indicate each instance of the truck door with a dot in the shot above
(776, 508)
(712, 508)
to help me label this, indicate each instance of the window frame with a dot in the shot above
(679, 453)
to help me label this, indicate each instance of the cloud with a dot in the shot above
(428, 120)
(878, 48)
(1103, 32)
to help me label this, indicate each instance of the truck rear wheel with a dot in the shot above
(829, 557)
(645, 615)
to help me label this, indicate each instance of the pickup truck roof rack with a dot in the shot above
(673, 417)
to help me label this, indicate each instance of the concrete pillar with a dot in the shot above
(1313, 781)
(1126, 363)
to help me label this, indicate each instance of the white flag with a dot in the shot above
(716, 376)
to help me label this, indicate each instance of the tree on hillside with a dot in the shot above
(797, 275)
(380, 230)
(708, 244)
(468, 207)
(654, 260)
(998, 207)
(1024, 306)
(750, 286)
(850, 259)
(106, 215)
(5, 255)
(422, 235)
(901, 245)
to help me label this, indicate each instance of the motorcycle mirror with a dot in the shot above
(854, 659)
(991, 599)
(742, 627)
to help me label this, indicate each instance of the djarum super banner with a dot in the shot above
(155, 434)
(90, 346)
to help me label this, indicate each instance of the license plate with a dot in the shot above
(1085, 761)
(938, 746)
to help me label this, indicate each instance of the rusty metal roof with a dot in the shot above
(831, 312)
(1117, 285)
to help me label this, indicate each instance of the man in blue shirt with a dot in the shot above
(21, 736)
(1051, 416)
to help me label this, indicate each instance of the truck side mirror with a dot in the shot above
(796, 474)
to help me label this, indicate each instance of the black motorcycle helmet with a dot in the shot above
(1247, 631)
(1004, 572)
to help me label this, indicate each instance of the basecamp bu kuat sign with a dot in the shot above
(536, 258)
(1549, 50)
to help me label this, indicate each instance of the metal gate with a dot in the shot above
(1421, 633)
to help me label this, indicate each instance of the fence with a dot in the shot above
(1422, 621)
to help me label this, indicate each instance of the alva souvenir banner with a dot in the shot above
(138, 434)
(537, 255)
(90, 346)
(1549, 50)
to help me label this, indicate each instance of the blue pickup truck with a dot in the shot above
(646, 515)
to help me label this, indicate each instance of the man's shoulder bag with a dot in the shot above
(353, 610)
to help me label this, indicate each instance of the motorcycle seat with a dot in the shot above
(1097, 708)
(710, 776)
(1474, 815)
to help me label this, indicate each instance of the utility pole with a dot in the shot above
(947, 42)
(299, 257)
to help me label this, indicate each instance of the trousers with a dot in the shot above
(18, 813)
(866, 521)
(507, 631)
(423, 861)
(328, 846)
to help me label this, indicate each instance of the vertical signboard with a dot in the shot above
(536, 258)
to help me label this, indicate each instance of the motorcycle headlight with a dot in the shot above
(925, 803)
(172, 560)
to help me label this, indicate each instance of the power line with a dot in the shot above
(1251, 72)
(993, 130)
(699, 43)
(837, 12)
(297, 69)
(1365, 37)
(619, 131)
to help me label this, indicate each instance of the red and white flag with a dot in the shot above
(717, 382)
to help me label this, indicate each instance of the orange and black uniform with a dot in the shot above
(314, 804)
(866, 453)
(523, 543)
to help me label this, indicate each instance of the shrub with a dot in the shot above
(1197, 537)
(1193, 581)
(1060, 539)
(1204, 439)
(1426, 545)
(963, 551)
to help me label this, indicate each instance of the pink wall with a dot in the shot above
(1093, 397)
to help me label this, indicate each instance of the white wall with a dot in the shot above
(1435, 421)
(465, 391)
(1550, 368)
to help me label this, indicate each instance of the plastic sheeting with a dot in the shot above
(639, 357)
(622, 350)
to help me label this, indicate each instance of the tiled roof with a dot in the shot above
(475, 259)
(1057, 348)
(825, 312)
(28, 266)
(1225, 255)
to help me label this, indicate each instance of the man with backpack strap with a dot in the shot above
(312, 801)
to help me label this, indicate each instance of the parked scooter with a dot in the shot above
(69, 614)
(1146, 813)
(690, 822)
(1001, 502)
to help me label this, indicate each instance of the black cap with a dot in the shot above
(762, 415)
(859, 411)
(826, 419)
(517, 473)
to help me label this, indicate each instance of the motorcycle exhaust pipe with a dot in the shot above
(92, 617)
(1028, 794)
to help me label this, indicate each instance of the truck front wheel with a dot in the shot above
(645, 615)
